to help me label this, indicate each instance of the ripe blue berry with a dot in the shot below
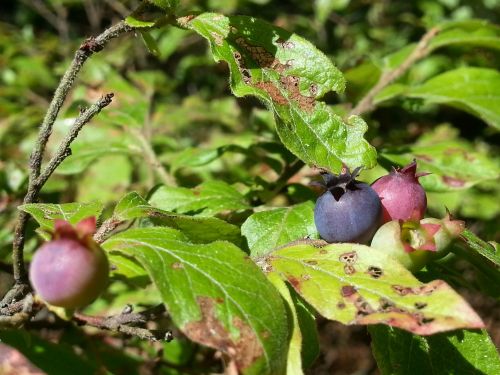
(349, 210)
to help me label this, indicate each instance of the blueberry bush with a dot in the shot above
(196, 134)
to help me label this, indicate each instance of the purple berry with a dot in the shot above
(70, 270)
(402, 196)
(349, 210)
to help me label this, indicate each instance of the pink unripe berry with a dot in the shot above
(71, 270)
(402, 196)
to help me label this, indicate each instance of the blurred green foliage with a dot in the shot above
(180, 101)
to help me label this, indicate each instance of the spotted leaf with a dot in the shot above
(215, 294)
(353, 284)
(290, 75)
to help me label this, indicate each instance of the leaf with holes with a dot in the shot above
(267, 230)
(46, 213)
(208, 198)
(458, 352)
(353, 284)
(215, 294)
(289, 74)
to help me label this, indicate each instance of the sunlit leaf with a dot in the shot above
(485, 249)
(478, 33)
(294, 360)
(215, 294)
(208, 198)
(474, 90)
(289, 74)
(46, 213)
(199, 229)
(353, 284)
(267, 230)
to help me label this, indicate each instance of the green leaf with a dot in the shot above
(215, 294)
(132, 206)
(135, 22)
(453, 162)
(150, 42)
(478, 33)
(208, 198)
(474, 90)
(353, 284)
(127, 268)
(46, 213)
(485, 249)
(196, 156)
(267, 230)
(289, 74)
(458, 352)
(294, 361)
(51, 358)
(196, 228)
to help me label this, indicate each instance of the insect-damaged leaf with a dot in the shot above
(289, 74)
(215, 294)
(354, 284)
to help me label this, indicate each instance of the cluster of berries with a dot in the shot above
(390, 213)
(71, 270)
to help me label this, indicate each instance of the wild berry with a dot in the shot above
(402, 196)
(71, 270)
(348, 211)
(415, 243)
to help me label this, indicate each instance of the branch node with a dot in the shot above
(90, 45)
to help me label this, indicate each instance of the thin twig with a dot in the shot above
(152, 159)
(107, 227)
(127, 322)
(18, 313)
(88, 47)
(64, 150)
(421, 50)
